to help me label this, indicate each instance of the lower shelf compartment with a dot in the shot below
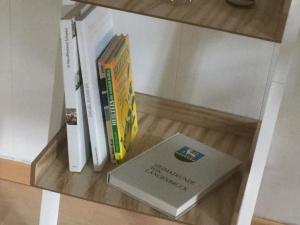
(159, 119)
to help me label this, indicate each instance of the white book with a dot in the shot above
(94, 31)
(173, 175)
(76, 117)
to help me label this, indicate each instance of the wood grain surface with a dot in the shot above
(81, 212)
(260, 221)
(246, 171)
(164, 119)
(48, 155)
(15, 171)
(19, 204)
(266, 20)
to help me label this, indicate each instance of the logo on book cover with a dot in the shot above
(187, 154)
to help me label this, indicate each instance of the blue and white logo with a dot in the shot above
(187, 154)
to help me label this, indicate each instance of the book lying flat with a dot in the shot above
(173, 175)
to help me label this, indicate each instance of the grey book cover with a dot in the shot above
(173, 175)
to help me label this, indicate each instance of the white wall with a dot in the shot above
(279, 196)
(5, 78)
(30, 32)
(196, 65)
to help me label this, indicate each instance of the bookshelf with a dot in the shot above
(159, 118)
(266, 20)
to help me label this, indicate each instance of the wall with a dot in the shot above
(279, 196)
(196, 65)
(29, 46)
(204, 67)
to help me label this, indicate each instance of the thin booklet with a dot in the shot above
(173, 175)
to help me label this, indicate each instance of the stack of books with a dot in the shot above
(99, 95)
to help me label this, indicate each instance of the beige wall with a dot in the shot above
(279, 197)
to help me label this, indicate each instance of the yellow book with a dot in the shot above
(121, 99)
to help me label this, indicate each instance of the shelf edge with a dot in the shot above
(276, 39)
(14, 171)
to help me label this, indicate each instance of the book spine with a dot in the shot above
(77, 139)
(83, 132)
(89, 32)
(88, 98)
(106, 113)
(113, 115)
(124, 112)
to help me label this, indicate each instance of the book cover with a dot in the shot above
(173, 175)
(94, 32)
(121, 99)
(76, 118)
(103, 58)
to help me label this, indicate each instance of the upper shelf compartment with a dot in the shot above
(266, 20)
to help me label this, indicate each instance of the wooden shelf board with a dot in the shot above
(266, 20)
(15, 171)
(158, 119)
(260, 221)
